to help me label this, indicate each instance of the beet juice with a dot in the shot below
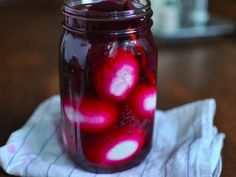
(108, 71)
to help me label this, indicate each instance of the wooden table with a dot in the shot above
(188, 71)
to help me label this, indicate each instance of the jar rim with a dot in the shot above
(68, 9)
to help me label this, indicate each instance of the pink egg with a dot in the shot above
(91, 115)
(142, 101)
(115, 147)
(117, 76)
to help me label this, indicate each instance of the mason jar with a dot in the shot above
(108, 83)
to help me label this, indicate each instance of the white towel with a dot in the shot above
(186, 144)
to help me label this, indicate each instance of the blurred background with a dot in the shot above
(180, 19)
(197, 60)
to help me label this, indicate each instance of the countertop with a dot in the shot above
(188, 71)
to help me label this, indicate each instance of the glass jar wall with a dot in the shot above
(108, 83)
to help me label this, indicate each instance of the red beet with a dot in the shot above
(92, 115)
(143, 58)
(142, 101)
(115, 147)
(117, 76)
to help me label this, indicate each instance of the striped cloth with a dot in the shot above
(186, 144)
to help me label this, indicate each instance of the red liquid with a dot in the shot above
(108, 90)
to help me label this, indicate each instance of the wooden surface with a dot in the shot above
(188, 71)
(226, 8)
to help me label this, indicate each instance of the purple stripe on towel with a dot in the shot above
(41, 149)
(71, 172)
(25, 137)
(52, 163)
(145, 167)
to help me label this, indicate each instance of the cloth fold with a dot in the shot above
(185, 144)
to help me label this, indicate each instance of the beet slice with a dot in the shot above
(143, 58)
(117, 76)
(142, 101)
(91, 115)
(116, 147)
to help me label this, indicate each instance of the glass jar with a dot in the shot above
(108, 85)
